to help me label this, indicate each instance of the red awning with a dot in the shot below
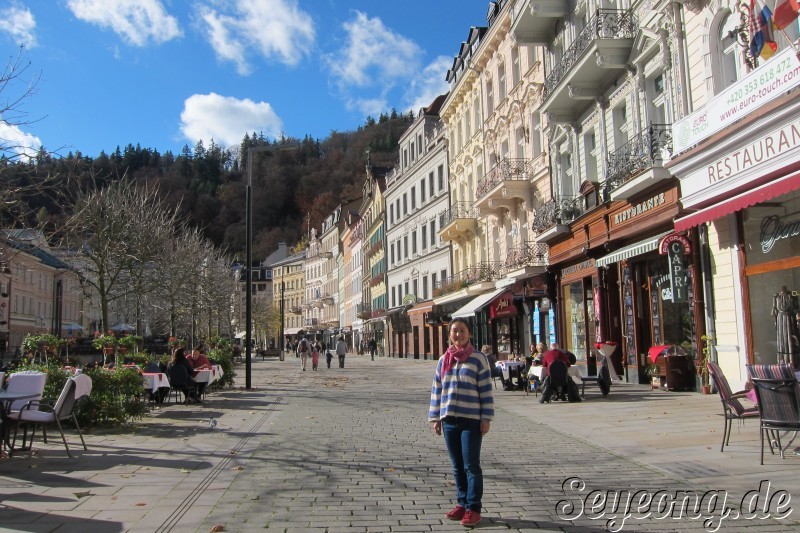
(760, 194)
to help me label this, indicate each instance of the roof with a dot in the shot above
(44, 257)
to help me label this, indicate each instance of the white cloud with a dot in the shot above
(15, 143)
(368, 107)
(226, 119)
(136, 21)
(276, 29)
(373, 55)
(18, 21)
(429, 84)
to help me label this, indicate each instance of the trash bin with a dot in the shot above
(680, 372)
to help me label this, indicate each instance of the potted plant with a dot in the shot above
(127, 343)
(701, 364)
(653, 371)
(106, 342)
(176, 343)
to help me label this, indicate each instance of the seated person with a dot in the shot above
(151, 368)
(198, 360)
(496, 371)
(180, 376)
(554, 354)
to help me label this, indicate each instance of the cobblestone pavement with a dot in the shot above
(336, 451)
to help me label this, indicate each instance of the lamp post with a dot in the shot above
(283, 326)
(248, 302)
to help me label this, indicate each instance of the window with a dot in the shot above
(440, 172)
(515, 70)
(414, 288)
(419, 143)
(620, 126)
(413, 199)
(422, 190)
(405, 158)
(590, 156)
(413, 152)
(397, 208)
(443, 274)
(656, 103)
(430, 183)
(433, 232)
(729, 65)
(476, 110)
(424, 236)
(391, 214)
(391, 253)
(405, 246)
(424, 288)
(405, 205)
(394, 298)
(520, 134)
(405, 285)
(414, 242)
(489, 98)
(433, 280)
(501, 82)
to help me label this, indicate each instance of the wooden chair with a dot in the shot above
(732, 409)
(779, 408)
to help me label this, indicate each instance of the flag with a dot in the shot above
(785, 12)
(762, 43)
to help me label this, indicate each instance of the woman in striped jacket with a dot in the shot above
(462, 408)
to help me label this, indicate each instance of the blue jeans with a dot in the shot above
(463, 439)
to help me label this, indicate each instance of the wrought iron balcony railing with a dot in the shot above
(310, 321)
(557, 211)
(486, 271)
(531, 253)
(456, 211)
(505, 170)
(605, 24)
(363, 310)
(644, 151)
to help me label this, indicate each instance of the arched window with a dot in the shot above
(727, 54)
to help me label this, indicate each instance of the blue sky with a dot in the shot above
(164, 73)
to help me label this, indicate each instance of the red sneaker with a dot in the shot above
(457, 513)
(471, 519)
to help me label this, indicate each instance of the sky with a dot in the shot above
(167, 73)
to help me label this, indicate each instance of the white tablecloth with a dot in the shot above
(153, 382)
(506, 366)
(572, 371)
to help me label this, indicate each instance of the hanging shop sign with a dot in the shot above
(677, 247)
(503, 306)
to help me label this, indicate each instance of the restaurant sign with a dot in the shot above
(503, 306)
(774, 229)
(676, 247)
(771, 80)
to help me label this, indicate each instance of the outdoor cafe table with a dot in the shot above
(507, 366)
(573, 371)
(155, 380)
(7, 399)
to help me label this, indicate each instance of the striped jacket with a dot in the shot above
(466, 391)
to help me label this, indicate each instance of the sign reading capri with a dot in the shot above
(677, 247)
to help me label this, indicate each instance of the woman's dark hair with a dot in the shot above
(179, 355)
(463, 321)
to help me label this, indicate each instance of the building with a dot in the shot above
(289, 296)
(416, 198)
(372, 214)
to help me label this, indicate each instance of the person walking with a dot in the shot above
(328, 357)
(303, 350)
(315, 355)
(462, 408)
(373, 347)
(341, 350)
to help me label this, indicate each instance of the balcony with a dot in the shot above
(486, 272)
(363, 311)
(552, 219)
(533, 21)
(307, 322)
(296, 311)
(458, 222)
(530, 254)
(599, 54)
(508, 182)
(638, 164)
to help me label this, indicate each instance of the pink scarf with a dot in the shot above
(453, 354)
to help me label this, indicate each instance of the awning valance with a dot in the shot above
(741, 201)
(424, 307)
(632, 250)
(477, 303)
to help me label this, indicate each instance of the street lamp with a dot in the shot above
(248, 302)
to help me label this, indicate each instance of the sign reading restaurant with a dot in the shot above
(769, 81)
(640, 208)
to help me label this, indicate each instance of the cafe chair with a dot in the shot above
(603, 379)
(41, 414)
(779, 371)
(732, 408)
(554, 386)
(779, 408)
(179, 381)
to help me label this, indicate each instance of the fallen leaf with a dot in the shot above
(237, 468)
(256, 497)
(125, 475)
(390, 469)
(84, 494)
(140, 504)
(232, 452)
(114, 498)
(217, 528)
(185, 470)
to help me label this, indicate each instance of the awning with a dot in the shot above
(626, 252)
(424, 307)
(291, 331)
(741, 201)
(477, 303)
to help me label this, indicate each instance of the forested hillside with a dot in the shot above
(291, 189)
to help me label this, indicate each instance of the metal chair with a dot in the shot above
(41, 414)
(732, 409)
(779, 408)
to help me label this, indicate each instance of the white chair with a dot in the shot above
(27, 381)
(74, 389)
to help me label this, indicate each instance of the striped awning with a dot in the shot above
(632, 250)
